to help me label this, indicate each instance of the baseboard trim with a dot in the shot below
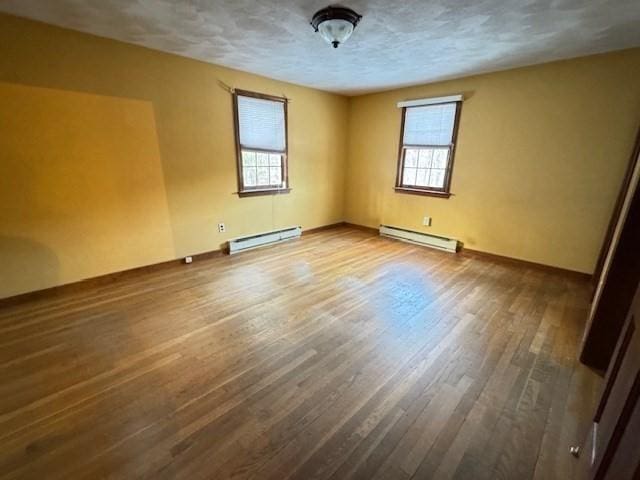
(108, 278)
(499, 258)
(355, 226)
(102, 280)
(113, 277)
(362, 228)
(468, 252)
(331, 226)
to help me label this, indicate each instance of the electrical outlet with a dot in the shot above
(188, 259)
(221, 228)
(426, 221)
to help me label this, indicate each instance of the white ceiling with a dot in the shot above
(397, 43)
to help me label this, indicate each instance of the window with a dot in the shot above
(427, 142)
(261, 143)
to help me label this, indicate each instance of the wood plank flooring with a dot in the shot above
(339, 355)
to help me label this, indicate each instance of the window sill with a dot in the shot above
(268, 191)
(419, 191)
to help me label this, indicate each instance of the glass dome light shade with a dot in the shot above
(335, 31)
(335, 23)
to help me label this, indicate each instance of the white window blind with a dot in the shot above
(261, 124)
(429, 125)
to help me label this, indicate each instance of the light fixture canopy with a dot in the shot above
(335, 24)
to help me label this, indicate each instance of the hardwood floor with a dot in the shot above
(339, 355)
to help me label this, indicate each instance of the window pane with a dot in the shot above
(429, 125)
(436, 179)
(440, 157)
(263, 176)
(261, 123)
(409, 176)
(424, 160)
(422, 177)
(275, 175)
(248, 158)
(263, 159)
(275, 159)
(411, 157)
(249, 176)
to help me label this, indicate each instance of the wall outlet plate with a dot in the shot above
(426, 221)
(188, 259)
(221, 228)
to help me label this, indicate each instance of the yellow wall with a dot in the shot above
(114, 156)
(540, 156)
(81, 187)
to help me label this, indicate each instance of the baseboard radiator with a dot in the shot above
(433, 241)
(242, 244)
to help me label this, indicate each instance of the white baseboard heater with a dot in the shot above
(262, 239)
(433, 241)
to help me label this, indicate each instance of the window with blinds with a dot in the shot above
(427, 143)
(261, 134)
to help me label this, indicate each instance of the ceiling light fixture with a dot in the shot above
(335, 24)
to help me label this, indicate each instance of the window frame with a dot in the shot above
(261, 190)
(445, 191)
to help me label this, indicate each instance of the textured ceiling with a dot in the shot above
(397, 43)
